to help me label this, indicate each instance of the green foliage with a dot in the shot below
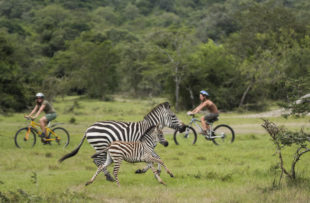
(297, 103)
(13, 95)
(282, 138)
(242, 52)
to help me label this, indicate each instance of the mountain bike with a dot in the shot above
(221, 134)
(26, 137)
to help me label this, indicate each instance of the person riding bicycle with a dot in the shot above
(43, 105)
(210, 106)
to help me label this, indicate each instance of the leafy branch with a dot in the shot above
(282, 138)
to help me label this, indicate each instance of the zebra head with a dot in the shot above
(171, 120)
(158, 136)
(154, 135)
(163, 115)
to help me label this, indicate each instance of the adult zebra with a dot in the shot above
(101, 134)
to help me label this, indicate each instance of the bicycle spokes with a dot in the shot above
(25, 138)
(223, 134)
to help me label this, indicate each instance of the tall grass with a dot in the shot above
(241, 172)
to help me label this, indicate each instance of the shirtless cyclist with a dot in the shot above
(206, 103)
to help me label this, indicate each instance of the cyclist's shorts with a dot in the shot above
(211, 117)
(50, 116)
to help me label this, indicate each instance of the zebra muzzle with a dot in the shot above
(165, 143)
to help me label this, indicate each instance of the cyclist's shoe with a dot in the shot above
(44, 141)
(42, 135)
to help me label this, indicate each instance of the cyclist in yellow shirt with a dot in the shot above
(43, 105)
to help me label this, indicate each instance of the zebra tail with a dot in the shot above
(74, 152)
(97, 153)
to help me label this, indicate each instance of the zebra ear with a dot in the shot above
(167, 105)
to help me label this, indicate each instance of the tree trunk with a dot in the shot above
(245, 94)
(296, 159)
(191, 95)
(177, 87)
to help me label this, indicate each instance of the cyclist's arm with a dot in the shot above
(40, 110)
(33, 111)
(199, 108)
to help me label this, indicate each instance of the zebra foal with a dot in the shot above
(133, 152)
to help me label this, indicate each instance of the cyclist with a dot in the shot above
(210, 106)
(43, 105)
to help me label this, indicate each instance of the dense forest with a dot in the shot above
(243, 53)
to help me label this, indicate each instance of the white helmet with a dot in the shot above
(40, 94)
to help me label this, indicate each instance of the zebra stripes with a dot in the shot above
(101, 134)
(134, 152)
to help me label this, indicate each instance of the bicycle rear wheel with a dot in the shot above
(189, 136)
(25, 138)
(223, 134)
(62, 137)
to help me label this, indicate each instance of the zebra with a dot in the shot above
(133, 152)
(101, 134)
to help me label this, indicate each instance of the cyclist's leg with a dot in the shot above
(43, 123)
(46, 119)
(211, 117)
(204, 124)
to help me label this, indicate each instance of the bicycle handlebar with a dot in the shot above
(192, 115)
(29, 118)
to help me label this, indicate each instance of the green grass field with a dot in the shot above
(241, 172)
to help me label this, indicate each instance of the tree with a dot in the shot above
(282, 138)
(174, 46)
(13, 94)
(97, 71)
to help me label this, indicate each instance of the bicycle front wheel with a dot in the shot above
(60, 138)
(223, 134)
(189, 136)
(25, 138)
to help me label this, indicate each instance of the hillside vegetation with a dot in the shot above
(242, 52)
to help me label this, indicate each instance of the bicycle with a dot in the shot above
(221, 134)
(26, 137)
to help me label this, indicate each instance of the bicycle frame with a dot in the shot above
(34, 125)
(195, 120)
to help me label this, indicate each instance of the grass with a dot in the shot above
(240, 172)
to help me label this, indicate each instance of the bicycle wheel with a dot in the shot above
(62, 137)
(25, 138)
(223, 134)
(189, 136)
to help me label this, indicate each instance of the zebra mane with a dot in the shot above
(148, 132)
(165, 105)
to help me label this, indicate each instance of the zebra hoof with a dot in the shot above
(109, 178)
(88, 183)
(171, 175)
(139, 171)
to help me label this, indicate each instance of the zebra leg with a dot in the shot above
(97, 172)
(162, 163)
(158, 169)
(156, 175)
(155, 155)
(99, 160)
(145, 169)
(117, 164)
(148, 166)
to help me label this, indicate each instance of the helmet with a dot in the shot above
(203, 92)
(40, 94)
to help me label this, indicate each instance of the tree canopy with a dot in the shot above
(241, 52)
